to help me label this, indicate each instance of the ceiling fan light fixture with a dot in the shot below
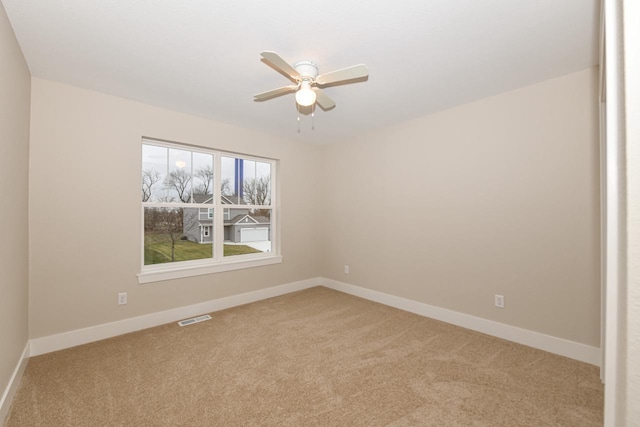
(307, 83)
(305, 96)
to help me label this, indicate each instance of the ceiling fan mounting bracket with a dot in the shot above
(307, 69)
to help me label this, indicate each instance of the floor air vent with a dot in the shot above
(193, 320)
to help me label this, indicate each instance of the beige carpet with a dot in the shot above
(316, 357)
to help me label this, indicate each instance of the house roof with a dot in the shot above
(237, 219)
(423, 56)
(226, 200)
(202, 198)
(255, 219)
(232, 200)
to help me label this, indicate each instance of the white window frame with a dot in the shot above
(218, 263)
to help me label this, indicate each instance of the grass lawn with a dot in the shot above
(157, 249)
(239, 250)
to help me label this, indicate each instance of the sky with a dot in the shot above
(165, 160)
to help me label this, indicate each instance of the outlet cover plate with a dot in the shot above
(122, 298)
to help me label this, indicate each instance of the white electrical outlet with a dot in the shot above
(499, 301)
(122, 298)
(346, 269)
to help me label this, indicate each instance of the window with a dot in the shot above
(205, 211)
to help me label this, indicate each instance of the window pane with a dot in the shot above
(256, 187)
(202, 178)
(247, 180)
(247, 231)
(176, 234)
(228, 185)
(154, 171)
(178, 181)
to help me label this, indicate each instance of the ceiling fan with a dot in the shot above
(308, 83)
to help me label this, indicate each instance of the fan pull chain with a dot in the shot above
(313, 115)
(298, 108)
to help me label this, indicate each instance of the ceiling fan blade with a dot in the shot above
(350, 73)
(281, 65)
(275, 92)
(323, 100)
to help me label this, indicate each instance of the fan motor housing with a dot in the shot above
(306, 69)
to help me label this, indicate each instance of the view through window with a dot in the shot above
(204, 206)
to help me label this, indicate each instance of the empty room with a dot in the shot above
(336, 214)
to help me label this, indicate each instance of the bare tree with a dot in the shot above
(257, 190)
(166, 221)
(170, 222)
(179, 180)
(205, 176)
(166, 198)
(149, 178)
(225, 187)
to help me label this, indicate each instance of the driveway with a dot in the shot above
(263, 246)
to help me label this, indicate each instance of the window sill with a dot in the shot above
(159, 274)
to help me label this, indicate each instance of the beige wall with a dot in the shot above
(14, 175)
(495, 197)
(85, 208)
(632, 134)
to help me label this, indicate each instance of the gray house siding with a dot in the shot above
(191, 224)
(197, 222)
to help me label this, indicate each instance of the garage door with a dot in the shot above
(254, 234)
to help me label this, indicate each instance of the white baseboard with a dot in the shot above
(563, 347)
(574, 350)
(14, 382)
(108, 330)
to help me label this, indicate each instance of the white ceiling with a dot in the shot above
(202, 56)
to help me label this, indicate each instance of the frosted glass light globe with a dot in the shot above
(305, 96)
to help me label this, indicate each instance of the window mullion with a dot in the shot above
(192, 178)
(218, 217)
(275, 242)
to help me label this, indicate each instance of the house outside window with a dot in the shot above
(205, 211)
